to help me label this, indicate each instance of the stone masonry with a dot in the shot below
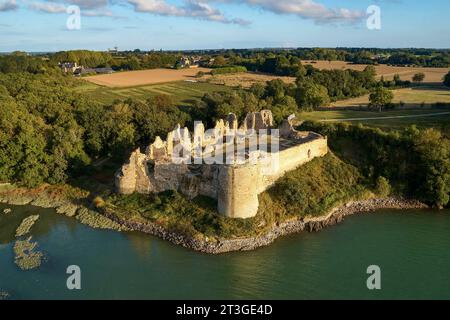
(230, 163)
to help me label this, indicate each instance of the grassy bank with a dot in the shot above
(416, 162)
(311, 190)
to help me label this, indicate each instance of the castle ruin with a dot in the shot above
(230, 163)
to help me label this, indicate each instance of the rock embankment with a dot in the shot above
(309, 224)
(47, 197)
(109, 220)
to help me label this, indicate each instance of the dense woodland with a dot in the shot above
(48, 133)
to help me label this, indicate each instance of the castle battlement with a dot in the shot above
(230, 163)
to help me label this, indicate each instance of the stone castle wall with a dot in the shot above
(235, 186)
(237, 195)
(239, 186)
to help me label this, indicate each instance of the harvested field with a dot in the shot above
(245, 80)
(388, 72)
(144, 77)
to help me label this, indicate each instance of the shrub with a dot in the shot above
(98, 202)
(316, 187)
(199, 74)
(447, 80)
(382, 187)
(224, 70)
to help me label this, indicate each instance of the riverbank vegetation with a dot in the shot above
(416, 162)
(26, 257)
(26, 225)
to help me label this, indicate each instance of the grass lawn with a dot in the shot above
(412, 97)
(386, 119)
(182, 92)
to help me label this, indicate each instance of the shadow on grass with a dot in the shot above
(438, 86)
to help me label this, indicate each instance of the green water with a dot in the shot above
(412, 249)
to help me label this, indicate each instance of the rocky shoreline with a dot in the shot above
(107, 219)
(288, 227)
(45, 197)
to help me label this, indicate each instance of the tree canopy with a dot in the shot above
(380, 97)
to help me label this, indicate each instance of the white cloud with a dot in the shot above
(89, 4)
(8, 5)
(155, 6)
(48, 7)
(90, 8)
(198, 9)
(307, 9)
(203, 9)
(98, 13)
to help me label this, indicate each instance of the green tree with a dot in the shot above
(155, 117)
(433, 166)
(418, 77)
(276, 88)
(382, 187)
(219, 61)
(258, 89)
(447, 80)
(380, 97)
(119, 129)
(310, 95)
(283, 109)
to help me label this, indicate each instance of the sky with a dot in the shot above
(42, 25)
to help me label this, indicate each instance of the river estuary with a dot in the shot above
(411, 247)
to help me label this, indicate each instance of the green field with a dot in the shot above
(412, 97)
(395, 119)
(182, 92)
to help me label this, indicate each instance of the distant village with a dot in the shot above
(77, 70)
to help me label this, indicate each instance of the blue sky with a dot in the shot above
(40, 25)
